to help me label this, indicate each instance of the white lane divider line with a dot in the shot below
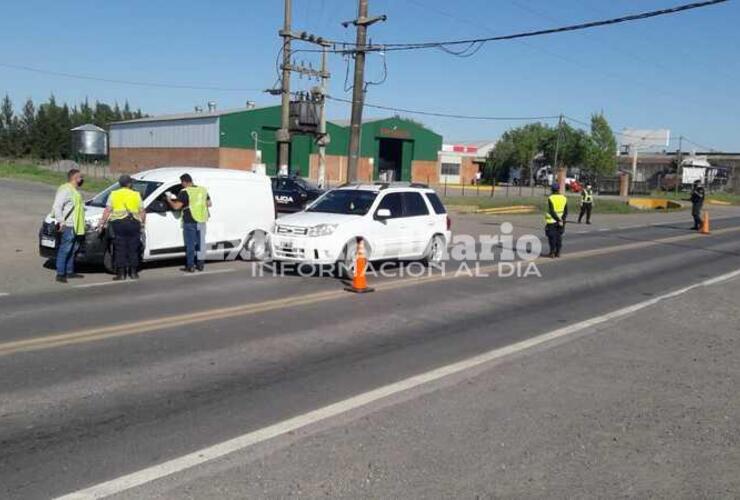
(4, 294)
(215, 271)
(102, 283)
(240, 443)
(603, 229)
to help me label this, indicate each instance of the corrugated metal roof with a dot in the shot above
(88, 127)
(192, 115)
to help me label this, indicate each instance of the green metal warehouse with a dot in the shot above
(391, 148)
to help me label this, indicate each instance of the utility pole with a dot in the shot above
(555, 172)
(358, 90)
(323, 139)
(283, 135)
(679, 168)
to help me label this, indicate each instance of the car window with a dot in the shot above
(414, 205)
(394, 203)
(344, 201)
(145, 188)
(437, 205)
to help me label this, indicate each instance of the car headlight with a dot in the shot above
(322, 230)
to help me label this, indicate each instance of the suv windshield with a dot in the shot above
(145, 188)
(344, 201)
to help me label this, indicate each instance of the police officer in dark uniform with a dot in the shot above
(697, 203)
(556, 212)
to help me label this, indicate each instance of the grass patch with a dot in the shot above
(601, 206)
(34, 173)
(732, 198)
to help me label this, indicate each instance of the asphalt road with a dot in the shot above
(113, 380)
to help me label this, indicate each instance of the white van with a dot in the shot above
(242, 215)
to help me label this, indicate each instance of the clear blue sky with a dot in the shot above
(679, 72)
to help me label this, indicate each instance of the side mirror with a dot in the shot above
(382, 214)
(157, 207)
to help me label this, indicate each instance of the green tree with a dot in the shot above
(27, 125)
(518, 147)
(8, 132)
(601, 153)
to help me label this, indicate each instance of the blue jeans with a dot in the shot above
(194, 236)
(68, 246)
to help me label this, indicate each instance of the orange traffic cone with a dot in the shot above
(704, 229)
(359, 281)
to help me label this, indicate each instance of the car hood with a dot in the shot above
(92, 215)
(310, 219)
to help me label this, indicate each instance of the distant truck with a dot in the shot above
(693, 168)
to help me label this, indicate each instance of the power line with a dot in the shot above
(448, 115)
(528, 34)
(126, 82)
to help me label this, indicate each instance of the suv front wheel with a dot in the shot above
(435, 250)
(345, 265)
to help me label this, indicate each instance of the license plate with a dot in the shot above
(48, 242)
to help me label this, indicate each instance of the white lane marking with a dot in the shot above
(179, 464)
(102, 283)
(4, 294)
(604, 229)
(215, 271)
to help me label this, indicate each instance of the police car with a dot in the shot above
(292, 193)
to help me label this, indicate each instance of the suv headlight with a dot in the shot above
(322, 230)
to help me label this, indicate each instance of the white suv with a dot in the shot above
(395, 221)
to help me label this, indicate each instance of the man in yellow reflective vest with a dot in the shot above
(69, 212)
(555, 215)
(124, 215)
(587, 204)
(194, 202)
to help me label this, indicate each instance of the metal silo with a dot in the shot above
(89, 140)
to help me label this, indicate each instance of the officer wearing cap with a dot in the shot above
(587, 204)
(555, 215)
(124, 216)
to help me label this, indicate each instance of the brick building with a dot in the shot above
(459, 162)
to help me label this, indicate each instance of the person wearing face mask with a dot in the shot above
(69, 212)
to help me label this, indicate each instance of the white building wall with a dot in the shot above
(186, 133)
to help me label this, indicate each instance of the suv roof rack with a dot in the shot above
(385, 185)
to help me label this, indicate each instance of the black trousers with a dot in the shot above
(554, 234)
(585, 210)
(696, 214)
(126, 243)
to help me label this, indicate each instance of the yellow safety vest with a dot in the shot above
(587, 196)
(78, 209)
(124, 202)
(197, 203)
(558, 204)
